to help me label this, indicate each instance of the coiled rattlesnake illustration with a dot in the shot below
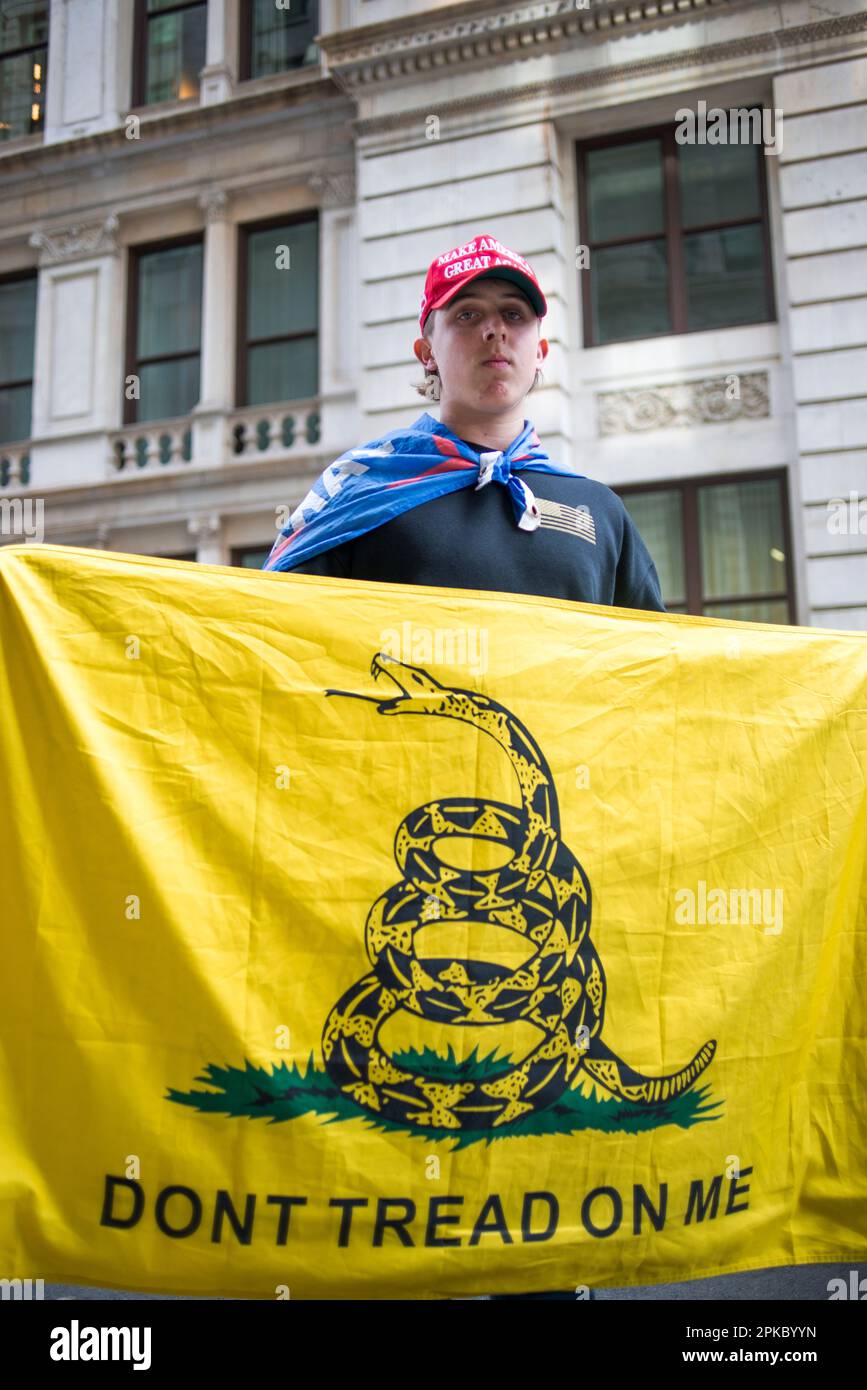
(541, 893)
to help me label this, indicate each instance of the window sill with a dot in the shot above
(158, 110)
(276, 81)
(20, 144)
(668, 351)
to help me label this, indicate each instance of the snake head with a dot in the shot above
(424, 694)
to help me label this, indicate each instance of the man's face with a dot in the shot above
(486, 346)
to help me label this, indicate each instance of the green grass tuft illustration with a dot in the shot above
(285, 1092)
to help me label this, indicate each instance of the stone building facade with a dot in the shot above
(208, 201)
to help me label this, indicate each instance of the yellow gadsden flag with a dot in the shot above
(386, 941)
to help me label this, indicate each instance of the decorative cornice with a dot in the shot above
(709, 55)
(709, 401)
(333, 190)
(474, 32)
(77, 243)
(305, 94)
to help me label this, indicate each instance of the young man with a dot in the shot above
(472, 501)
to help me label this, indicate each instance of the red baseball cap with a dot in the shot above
(483, 257)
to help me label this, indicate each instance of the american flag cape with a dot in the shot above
(402, 469)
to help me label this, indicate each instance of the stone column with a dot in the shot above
(220, 72)
(218, 330)
(88, 40)
(823, 181)
(339, 334)
(207, 531)
(78, 374)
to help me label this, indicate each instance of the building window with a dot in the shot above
(676, 236)
(23, 63)
(169, 49)
(164, 330)
(17, 334)
(274, 39)
(721, 547)
(251, 557)
(278, 312)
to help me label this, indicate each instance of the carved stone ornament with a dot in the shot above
(206, 526)
(77, 243)
(333, 190)
(489, 31)
(711, 401)
(214, 204)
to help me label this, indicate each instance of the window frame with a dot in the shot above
(242, 342)
(689, 489)
(245, 46)
(11, 278)
(34, 48)
(130, 406)
(140, 48)
(672, 234)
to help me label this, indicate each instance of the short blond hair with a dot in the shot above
(430, 388)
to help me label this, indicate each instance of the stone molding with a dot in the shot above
(77, 243)
(679, 404)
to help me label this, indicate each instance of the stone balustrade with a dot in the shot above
(155, 446)
(15, 465)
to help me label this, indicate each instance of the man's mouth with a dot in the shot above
(496, 362)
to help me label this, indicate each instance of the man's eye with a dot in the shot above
(519, 313)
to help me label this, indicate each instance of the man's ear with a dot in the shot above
(543, 349)
(422, 349)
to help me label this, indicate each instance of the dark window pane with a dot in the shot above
(283, 300)
(741, 536)
(282, 371)
(23, 24)
(170, 300)
(17, 328)
(718, 183)
(168, 388)
(659, 518)
(175, 54)
(252, 559)
(624, 191)
(725, 277)
(769, 611)
(282, 38)
(22, 93)
(14, 413)
(629, 291)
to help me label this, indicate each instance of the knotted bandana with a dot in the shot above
(402, 469)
